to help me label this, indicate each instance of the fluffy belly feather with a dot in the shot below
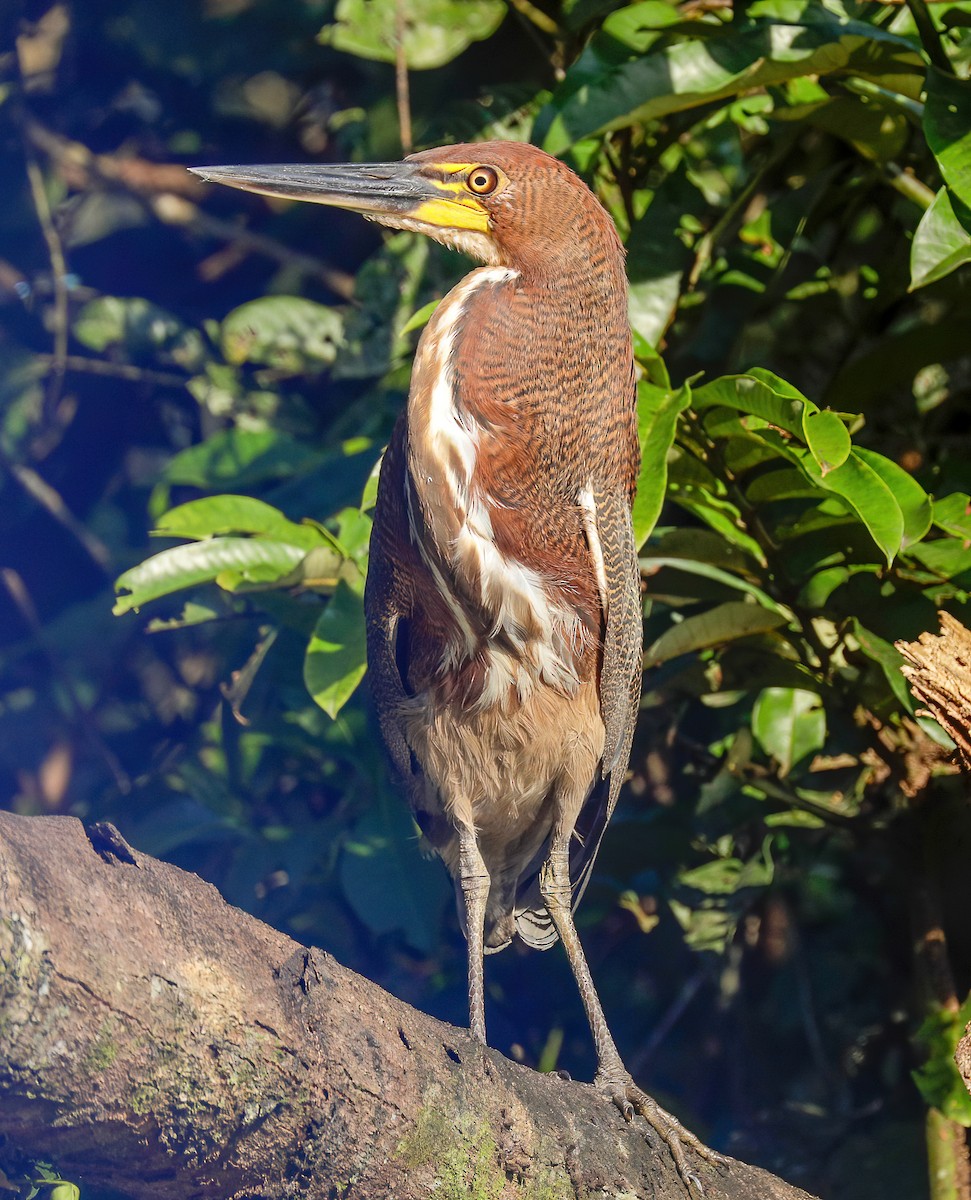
(499, 770)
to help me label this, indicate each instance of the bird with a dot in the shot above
(503, 605)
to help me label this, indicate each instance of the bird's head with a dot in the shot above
(504, 203)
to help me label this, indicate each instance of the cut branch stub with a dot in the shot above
(939, 674)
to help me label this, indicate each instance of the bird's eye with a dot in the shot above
(483, 180)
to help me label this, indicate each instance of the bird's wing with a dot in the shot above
(386, 606)
(620, 687)
(620, 676)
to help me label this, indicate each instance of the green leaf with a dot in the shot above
(256, 560)
(387, 881)
(657, 258)
(758, 396)
(657, 418)
(419, 319)
(827, 439)
(213, 515)
(866, 494)
(784, 483)
(336, 656)
(725, 876)
(939, 1079)
(192, 614)
(722, 515)
(913, 501)
(946, 557)
(435, 31)
(947, 124)
(708, 927)
(789, 724)
(952, 513)
(288, 333)
(889, 659)
(654, 562)
(941, 244)
(240, 457)
(676, 76)
(729, 621)
(138, 325)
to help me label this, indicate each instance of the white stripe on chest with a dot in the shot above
(527, 638)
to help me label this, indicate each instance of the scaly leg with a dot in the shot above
(475, 891)
(612, 1078)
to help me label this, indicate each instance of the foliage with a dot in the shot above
(226, 384)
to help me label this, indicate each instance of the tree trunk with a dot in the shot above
(939, 674)
(156, 1041)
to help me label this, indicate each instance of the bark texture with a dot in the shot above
(155, 1040)
(939, 673)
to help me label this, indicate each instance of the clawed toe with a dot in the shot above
(631, 1100)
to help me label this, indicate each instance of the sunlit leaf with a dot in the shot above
(734, 619)
(889, 659)
(952, 513)
(866, 494)
(784, 483)
(939, 1079)
(680, 75)
(336, 656)
(289, 333)
(242, 559)
(419, 319)
(725, 876)
(654, 562)
(947, 124)
(658, 411)
(789, 724)
(941, 244)
(240, 457)
(913, 501)
(433, 31)
(131, 322)
(225, 514)
(750, 394)
(827, 439)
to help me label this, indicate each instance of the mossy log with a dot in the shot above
(158, 1042)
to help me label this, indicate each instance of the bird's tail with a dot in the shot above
(535, 926)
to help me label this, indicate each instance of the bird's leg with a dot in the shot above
(475, 891)
(612, 1078)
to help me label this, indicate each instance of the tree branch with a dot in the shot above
(156, 1041)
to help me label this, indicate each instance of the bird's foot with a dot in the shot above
(631, 1100)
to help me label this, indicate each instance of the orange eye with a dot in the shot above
(482, 180)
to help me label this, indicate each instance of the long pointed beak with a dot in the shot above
(381, 189)
(399, 194)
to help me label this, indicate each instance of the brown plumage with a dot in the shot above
(503, 600)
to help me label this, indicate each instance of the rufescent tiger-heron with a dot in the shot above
(503, 600)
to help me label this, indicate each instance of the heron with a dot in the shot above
(503, 603)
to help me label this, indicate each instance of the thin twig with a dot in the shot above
(540, 19)
(55, 251)
(909, 185)
(51, 501)
(100, 366)
(402, 93)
